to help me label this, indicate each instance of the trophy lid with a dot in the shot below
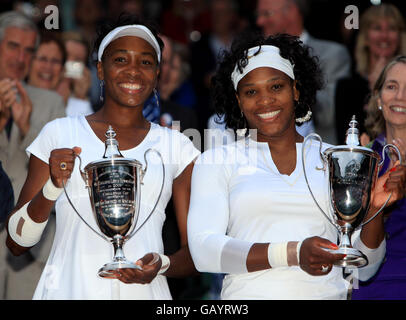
(352, 141)
(111, 145)
(112, 154)
(352, 136)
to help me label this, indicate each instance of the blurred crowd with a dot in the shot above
(195, 32)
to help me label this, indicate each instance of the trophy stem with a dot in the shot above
(354, 257)
(109, 270)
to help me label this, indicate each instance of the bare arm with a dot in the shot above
(38, 174)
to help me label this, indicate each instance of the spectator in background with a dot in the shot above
(6, 195)
(176, 96)
(88, 13)
(382, 35)
(24, 110)
(288, 16)
(386, 123)
(77, 79)
(186, 21)
(225, 23)
(180, 88)
(47, 71)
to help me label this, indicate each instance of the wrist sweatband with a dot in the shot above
(166, 262)
(51, 192)
(283, 254)
(23, 230)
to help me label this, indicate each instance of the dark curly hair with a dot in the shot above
(307, 73)
(123, 20)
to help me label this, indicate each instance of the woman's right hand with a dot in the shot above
(61, 164)
(314, 259)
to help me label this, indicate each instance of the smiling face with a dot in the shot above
(266, 97)
(46, 68)
(129, 69)
(393, 96)
(383, 38)
(16, 52)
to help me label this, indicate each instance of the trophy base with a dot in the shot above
(353, 258)
(109, 270)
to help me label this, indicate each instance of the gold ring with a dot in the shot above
(63, 166)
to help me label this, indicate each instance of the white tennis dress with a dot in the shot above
(77, 252)
(249, 202)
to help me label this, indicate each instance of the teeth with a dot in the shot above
(399, 109)
(269, 114)
(130, 86)
(45, 76)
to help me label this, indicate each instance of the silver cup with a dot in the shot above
(351, 173)
(114, 185)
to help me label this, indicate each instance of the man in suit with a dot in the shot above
(24, 110)
(287, 16)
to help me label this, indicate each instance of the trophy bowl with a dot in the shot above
(114, 186)
(114, 191)
(351, 172)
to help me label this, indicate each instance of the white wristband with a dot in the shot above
(284, 254)
(277, 254)
(23, 230)
(166, 262)
(51, 192)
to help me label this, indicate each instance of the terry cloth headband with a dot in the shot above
(268, 57)
(130, 30)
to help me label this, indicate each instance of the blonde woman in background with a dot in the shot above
(386, 123)
(382, 36)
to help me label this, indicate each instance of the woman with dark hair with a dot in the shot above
(256, 221)
(129, 55)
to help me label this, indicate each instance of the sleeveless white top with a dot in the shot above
(77, 252)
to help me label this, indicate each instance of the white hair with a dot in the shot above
(17, 20)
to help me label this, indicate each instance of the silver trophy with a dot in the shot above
(351, 172)
(114, 185)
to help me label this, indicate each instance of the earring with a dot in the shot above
(102, 91)
(307, 117)
(242, 132)
(380, 108)
(156, 97)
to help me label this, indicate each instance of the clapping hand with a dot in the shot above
(20, 111)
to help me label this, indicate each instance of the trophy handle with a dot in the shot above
(84, 177)
(379, 166)
(323, 159)
(143, 171)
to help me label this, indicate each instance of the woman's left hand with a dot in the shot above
(393, 181)
(150, 264)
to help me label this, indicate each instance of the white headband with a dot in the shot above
(268, 57)
(130, 30)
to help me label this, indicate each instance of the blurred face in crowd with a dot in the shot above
(76, 51)
(272, 16)
(222, 16)
(16, 52)
(393, 96)
(383, 38)
(166, 61)
(46, 68)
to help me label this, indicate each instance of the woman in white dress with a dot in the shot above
(129, 55)
(257, 222)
